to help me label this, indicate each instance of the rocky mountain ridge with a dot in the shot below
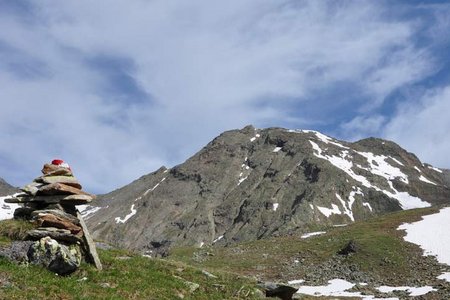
(6, 188)
(254, 183)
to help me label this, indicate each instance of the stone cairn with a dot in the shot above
(60, 237)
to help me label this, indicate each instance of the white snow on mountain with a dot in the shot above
(307, 235)
(277, 149)
(422, 178)
(325, 139)
(397, 161)
(124, 219)
(377, 166)
(275, 206)
(217, 239)
(347, 207)
(435, 169)
(328, 212)
(87, 211)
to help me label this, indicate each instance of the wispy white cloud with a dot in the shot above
(119, 88)
(363, 126)
(423, 128)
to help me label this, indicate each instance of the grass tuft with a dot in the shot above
(14, 229)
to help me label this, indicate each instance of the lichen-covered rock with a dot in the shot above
(54, 256)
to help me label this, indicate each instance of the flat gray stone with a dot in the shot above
(90, 245)
(54, 233)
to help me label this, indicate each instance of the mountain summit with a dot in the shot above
(254, 183)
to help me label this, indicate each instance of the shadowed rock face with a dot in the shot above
(251, 183)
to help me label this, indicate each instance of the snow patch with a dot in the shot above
(397, 161)
(406, 200)
(127, 217)
(340, 287)
(413, 291)
(87, 211)
(327, 212)
(417, 169)
(218, 239)
(445, 276)
(244, 170)
(435, 244)
(436, 169)
(367, 204)
(335, 288)
(153, 188)
(422, 178)
(341, 163)
(381, 168)
(307, 235)
(311, 206)
(275, 206)
(347, 207)
(7, 209)
(326, 139)
(255, 137)
(296, 281)
(277, 149)
(242, 180)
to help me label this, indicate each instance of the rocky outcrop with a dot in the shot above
(254, 183)
(60, 235)
(59, 258)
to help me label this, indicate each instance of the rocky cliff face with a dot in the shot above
(254, 183)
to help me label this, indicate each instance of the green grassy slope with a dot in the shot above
(125, 276)
(382, 257)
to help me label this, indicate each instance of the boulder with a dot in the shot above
(54, 256)
(277, 290)
(350, 248)
(16, 251)
(23, 213)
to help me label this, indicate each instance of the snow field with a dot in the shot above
(7, 209)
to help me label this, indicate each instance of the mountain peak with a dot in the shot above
(254, 183)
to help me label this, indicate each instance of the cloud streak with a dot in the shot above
(118, 89)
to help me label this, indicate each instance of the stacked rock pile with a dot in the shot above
(60, 235)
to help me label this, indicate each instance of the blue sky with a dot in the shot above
(119, 88)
